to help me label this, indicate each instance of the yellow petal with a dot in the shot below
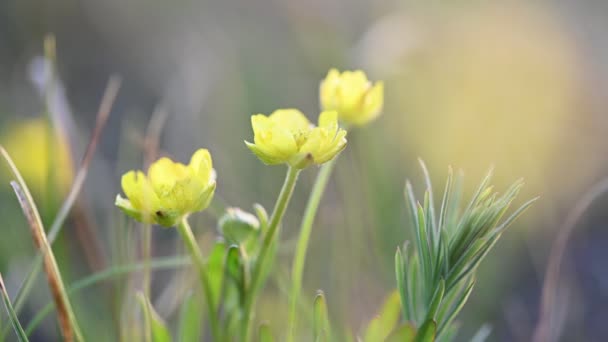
(373, 103)
(164, 173)
(332, 149)
(139, 191)
(291, 119)
(328, 119)
(274, 140)
(202, 165)
(261, 153)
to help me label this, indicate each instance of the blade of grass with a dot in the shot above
(11, 313)
(115, 271)
(321, 325)
(67, 319)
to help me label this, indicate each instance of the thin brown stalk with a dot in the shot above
(103, 113)
(67, 320)
(543, 331)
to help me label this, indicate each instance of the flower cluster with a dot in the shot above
(170, 191)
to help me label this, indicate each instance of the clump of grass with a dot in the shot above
(437, 272)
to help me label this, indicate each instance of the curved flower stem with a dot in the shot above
(197, 259)
(297, 268)
(269, 240)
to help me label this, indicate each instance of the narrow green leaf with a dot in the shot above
(21, 336)
(191, 319)
(411, 200)
(404, 333)
(401, 264)
(321, 325)
(445, 202)
(451, 220)
(427, 331)
(423, 248)
(413, 286)
(436, 301)
(449, 333)
(465, 260)
(431, 200)
(265, 334)
(514, 216)
(445, 252)
(154, 324)
(483, 186)
(458, 305)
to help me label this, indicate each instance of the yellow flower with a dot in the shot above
(356, 99)
(286, 136)
(170, 191)
(41, 155)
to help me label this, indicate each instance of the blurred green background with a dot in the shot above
(517, 85)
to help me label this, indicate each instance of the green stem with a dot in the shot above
(269, 240)
(197, 259)
(147, 255)
(302, 246)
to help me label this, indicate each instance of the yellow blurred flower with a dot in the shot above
(40, 155)
(170, 191)
(352, 95)
(286, 136)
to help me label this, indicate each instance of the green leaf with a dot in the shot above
(404, 333)
(431, 201)
(427, 331)
(436, 301)
(321, 325)
(423, 248)
(215, 270)
(155, 326)
(411, 200)
(449, 333)
(234, 266)
(190, 319)
(458, 305)
(21, 336)
(445, 202)
(386, 320)
(413, 286)
(265, 334)
(465, 260)
(513, 216)
(402, 280)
